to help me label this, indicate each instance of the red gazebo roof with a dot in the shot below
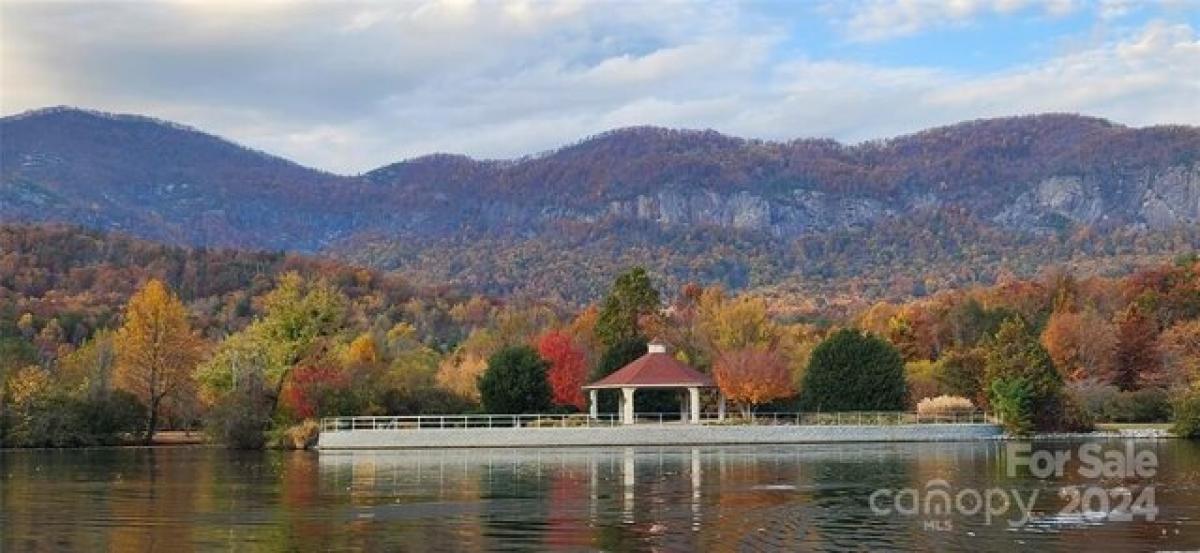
(655, 369)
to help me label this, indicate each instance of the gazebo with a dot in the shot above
(657, 369)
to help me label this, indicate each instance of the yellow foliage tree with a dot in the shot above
(738, 323)
(459, 374)
(156, 349)
(362, 351)
(28, 384)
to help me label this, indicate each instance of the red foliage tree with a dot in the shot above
(311, 385)
(568, 368)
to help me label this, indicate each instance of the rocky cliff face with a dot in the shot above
(781, 215)
(1159, 200)
(1027, 174)
(1171, 198)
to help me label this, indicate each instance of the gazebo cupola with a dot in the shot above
(657, 369)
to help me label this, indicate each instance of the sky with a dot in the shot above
(350, 86)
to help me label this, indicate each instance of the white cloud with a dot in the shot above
(350, 89)
(872, 20)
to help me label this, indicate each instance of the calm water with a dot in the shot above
(812, 497)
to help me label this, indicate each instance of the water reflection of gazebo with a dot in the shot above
(656, 370)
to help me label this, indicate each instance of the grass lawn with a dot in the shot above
(1133, 426)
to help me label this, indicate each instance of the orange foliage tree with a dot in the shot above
(568, 368)
(1138, 360)
(1082, 344)
(157, 349)
(1181, 347)
(752, 376)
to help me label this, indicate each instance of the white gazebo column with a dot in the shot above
(683, 407)
(720, 406)
(627, 405)
(593, 406)
(694, 403)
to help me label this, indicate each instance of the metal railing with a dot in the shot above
(851, 418)
(582, 420)
(437, 422)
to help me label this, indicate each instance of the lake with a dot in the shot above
(796, 497)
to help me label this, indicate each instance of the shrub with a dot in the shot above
(1107, 403)
(515, 382)
(240, 421)
(1187, 415)
(1146, 405)
(945, 406)
(1094, 397)
(854, 371)
(302, 436)
(1072, 416)
(424, 401)
(114, 416)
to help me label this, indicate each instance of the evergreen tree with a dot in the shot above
(631, 297)
(1021, 377)
(854, 371)
(515, 382)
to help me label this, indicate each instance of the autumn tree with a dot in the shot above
(1081, 344)
(156, 349)
(247, 374)
(736, 324)
(583, 330)
(970, 323)
(1137, 360)
(90, 368)
(631, 297)
(299, 317)
(752, 376)
(1181, 347)
(568, 368)
(459, 373)
(680, 324)
(362, 350)
(318, 390)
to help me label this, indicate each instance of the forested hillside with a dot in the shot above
(895, 218)
(273, 339)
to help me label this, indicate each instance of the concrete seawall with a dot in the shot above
(667, 434)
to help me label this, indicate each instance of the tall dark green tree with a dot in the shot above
(515, 382)
(631, 297)
(1020, 374)
(1015, 352)
(854, 371)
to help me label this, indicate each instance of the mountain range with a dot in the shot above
(945, 206)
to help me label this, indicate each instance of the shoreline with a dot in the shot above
(1151, 433)
(649, 435)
